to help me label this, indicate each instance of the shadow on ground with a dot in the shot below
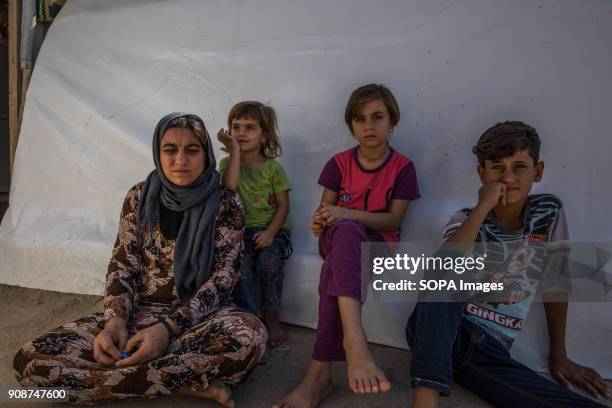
(29, 312)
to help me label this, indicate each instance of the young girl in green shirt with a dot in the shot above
(250, 169)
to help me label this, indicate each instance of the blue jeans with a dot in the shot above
(261, 272)
(446, 346)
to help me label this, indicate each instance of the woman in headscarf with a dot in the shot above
(168, 325)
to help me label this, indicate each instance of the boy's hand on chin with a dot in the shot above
(566, 372)
(491, 194)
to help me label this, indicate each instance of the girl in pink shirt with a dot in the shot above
(366, 193)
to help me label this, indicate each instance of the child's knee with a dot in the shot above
(272, 269)
(270, 262)
(272, 259)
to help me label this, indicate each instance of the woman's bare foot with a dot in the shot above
(312, 390)
(217, 391)
(363, 374)
(276, 334)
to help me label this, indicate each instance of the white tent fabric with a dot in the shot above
(109, 70)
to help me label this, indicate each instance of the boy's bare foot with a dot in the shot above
(276, 334)
(217, 391)
(423, 397)
(364, 376)
(312, 390)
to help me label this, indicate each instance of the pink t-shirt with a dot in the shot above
(371, 190)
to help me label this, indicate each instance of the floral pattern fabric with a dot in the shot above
(219, 342)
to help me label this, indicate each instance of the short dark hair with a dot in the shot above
(506, 138)
(368, 93)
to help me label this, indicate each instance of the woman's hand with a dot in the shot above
(110, 342)
(263, 239)
(149, 343)
(230, 144)
(330, 214)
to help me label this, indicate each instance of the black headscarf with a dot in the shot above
(199, 202)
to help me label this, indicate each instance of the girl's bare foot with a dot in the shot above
(312, 390)
(217, 391)
(276, 334)
(364, 376)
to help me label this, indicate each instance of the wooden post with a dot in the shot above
(14, 78)
(26, 74)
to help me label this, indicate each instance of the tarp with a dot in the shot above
(109, 70)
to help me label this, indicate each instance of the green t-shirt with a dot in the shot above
(258, 189)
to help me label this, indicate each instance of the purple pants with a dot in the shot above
(340, 248)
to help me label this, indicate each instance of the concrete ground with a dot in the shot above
(27, 313)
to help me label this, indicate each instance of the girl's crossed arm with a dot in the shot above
(328, 214)
(382, 221)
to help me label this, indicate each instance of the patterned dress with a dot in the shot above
(218, 341)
